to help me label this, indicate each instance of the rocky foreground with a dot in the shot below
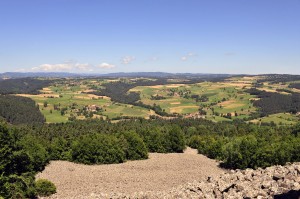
(158, 173)
(168, 176)
(272, 182)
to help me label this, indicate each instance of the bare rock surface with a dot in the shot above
(159, 172)
(169, 176)
(279, 182)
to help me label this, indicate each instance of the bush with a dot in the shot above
(175, 140)
(6, 144)
(17, 186)
(38, 154)
(136, 148)
(45, 187)
(194, 141)
(59, 149)
(97, 149)
(154, 141)
(240, 153)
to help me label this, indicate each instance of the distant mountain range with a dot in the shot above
(12, 75)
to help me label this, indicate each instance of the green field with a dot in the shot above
(279, 119)
(223, 98)
(73, 97)
(217, 101)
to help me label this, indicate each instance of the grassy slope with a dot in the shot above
(228, 96)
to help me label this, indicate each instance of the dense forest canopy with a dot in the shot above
(82, 141)
(22, 85)
(295, 85)
(20, 159)
(278, 78)
(20, 110)
(271, 102)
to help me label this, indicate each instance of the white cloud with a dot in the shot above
(65, 67)
(53, 67)
(20, 70)
(188, 56)
(184, 58)
(127, 59)
(106, 65)
(86, 67)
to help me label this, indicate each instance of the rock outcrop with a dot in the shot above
(272, 182)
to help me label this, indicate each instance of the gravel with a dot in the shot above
(158, 173)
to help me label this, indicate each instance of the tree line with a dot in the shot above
(294, 85)
(271, 103)
(20, 110)
(278, 78)
(102, 142)
(23, 86)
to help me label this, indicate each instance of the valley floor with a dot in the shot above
(159, 172)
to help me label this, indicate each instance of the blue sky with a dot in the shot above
(197, 36)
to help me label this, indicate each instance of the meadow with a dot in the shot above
(219, 98)
(70, 99)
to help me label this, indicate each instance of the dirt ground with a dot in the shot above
(159, 172)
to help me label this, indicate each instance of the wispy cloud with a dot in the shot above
(184, 58)
(20, 70)
(52, 67)
(83, 66)
(71, 66)
(127, 59)
(188, 56)
(106, 65)
(64, 67)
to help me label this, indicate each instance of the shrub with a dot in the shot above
(195, 141)
(59, 149)
(136, 148)
(175, 140)
(97, 149)
(6, 143)
(45, 187)
(154, 141)
(17, 186)
(37, 152)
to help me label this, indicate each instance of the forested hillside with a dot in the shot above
(20, 110)
(295, 85)
(271, 103)
(22, 85)
(278, 78)
(119, 92)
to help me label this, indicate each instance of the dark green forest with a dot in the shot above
(278, 78)
(102, 142)
(23, 85)
(20, 110)
(20, 159)
(295, 85)
(271, 103)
